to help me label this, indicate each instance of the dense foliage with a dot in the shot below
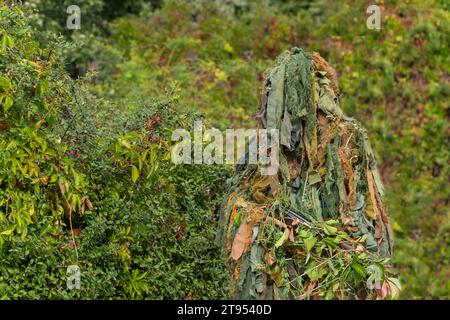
(66, 152)
(71, 162)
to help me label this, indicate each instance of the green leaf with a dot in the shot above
(359, 272)
(359, 269)
(332, 222)
(303, 234)
(10, 41)
(5, 83)
(329, 230)
(76, 178)
(125, 143)
(3, 44)
(8, 232)
(8, 102)
(134, 174)
(309, 243)
(282, 239)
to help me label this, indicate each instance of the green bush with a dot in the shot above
(85, 184)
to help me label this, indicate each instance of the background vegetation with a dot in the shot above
(79, 109)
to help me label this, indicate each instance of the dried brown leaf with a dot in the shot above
(242, 241)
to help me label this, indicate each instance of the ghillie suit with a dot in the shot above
(317, 228)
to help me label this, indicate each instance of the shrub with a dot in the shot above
(83, 183)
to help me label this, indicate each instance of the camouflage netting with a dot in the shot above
(318, 228)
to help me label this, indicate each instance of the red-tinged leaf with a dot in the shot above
(383, 291)
(88, 203)
(242, 240)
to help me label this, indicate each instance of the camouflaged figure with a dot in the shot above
(327, 171)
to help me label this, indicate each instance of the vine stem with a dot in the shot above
(71, 231)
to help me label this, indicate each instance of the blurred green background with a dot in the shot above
(212, 56)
